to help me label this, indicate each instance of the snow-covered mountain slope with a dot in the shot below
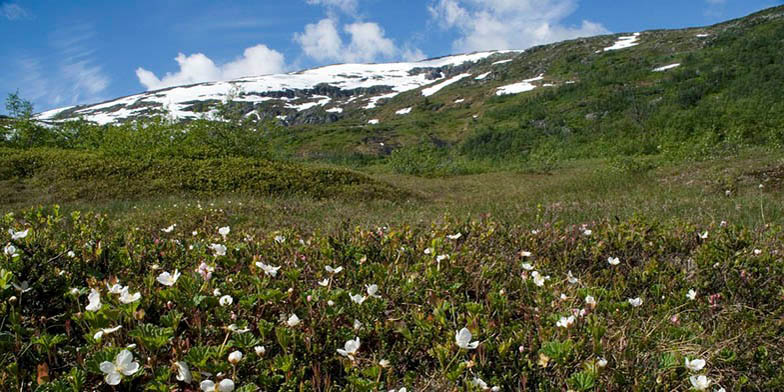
(316, 95)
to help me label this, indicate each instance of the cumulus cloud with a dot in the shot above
(509, 24)
(13, 11)
(197, 68)
(366, 42)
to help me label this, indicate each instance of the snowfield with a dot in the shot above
(516, 88)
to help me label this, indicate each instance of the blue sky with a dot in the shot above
(61, 53)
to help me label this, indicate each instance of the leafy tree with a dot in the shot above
(18, 107)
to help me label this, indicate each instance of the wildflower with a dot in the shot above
(480, 383)
(235, 357)
(331, 303)
(260, 350)
(350, 348)
(205, 271)
(224, 231)
(704, 235)
(236, 329)
(565, 322)
(691, 295)
(372, 289)
(455, 236)
(226, 385)
(216, 292)
(757, 252)
(323, 283)
(635, 302)
(700, 383)
(528, 266)
(74, 291)
(116, 288)
(95, 301)
(105, 331)
(525, 253)
(571, 279)
(695, 365)
(333, 271)
(428, 251)
(220, 250)
(293, 320)
(71, 254)
(23, 288)
(357, 324)
(123, 365)
(280, 239)
(601, 362)
(18, 235)
(183, 372)
(169, 229)
(539, 279)
(226, 300)
(463, 339)
(383, 363)
(587, 232)
(268, 269)
(195, 233)
(10, 251)
(126, 297)
(168, 279)
(359, 299)
(441, 258)
(613, 260)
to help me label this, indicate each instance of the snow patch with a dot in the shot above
(335, 110)
(703, 35)
(432, 90)
(461, 100)
(404, 111)
(374, 121)
(482, 76)
(667, 67)
(517, 88)
(624, 42)
(502, 62)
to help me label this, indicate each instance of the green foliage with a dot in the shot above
(18, 107)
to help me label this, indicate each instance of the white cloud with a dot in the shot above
(197, 68)
(13, 11)
(365, 42)
(509, 24)
(716, 2)
(347, 6)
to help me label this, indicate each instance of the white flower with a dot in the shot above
(350, 348)
(704, 235)
(691, 295)
(268, 269)
(71, 254)
(18, 235)
(183, 372)
(359, 299)
(123, 365)
(539, 279)
(74, 291)
(236, 329)
(126, 297)
(280, 239)
(116, 288)
(428, 251)
(587, 232)
(220, 250)
(455, 236)
(357, 324)
(441, 258)
(372, 289)
(384, 363)
(235, 357)
(590, 301)
(226, 300)
(260, 350)
(613, 260)
(528, 266)
(226, 385)
(105, 331)
(216, 292)
(402, 389)
(571, 279)
(700, 383)
(463, 339)
(480, 383)
(333, 270)
(293, 320)
(635, 301)
(195, 233)
(323, 283)
(694, 365)
(23, 288)
(601, 362)
(224, 231)
(168, 279)
(331, 302)
(169, 229)
(10, 251)
(205, 270)
(565, 322)
(525, 253)
(95, 301)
